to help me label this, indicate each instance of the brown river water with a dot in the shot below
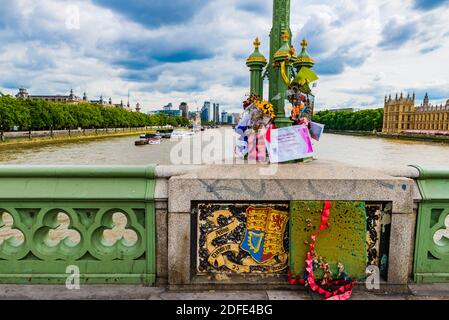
(355, 151)
(351, 150)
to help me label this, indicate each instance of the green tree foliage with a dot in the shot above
(42, 115)
(7, 113)
(364, 120)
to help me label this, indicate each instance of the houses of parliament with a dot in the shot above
(401, 116)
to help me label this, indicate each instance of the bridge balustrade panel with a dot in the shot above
(95, 221)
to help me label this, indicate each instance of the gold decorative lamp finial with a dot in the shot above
(256, 57)
(292, 51)
(304, 59)
(304, 43)
(285, 36)
(284, 52)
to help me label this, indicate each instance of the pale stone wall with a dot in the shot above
(178, 186)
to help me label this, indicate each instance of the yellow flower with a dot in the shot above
(265, 107)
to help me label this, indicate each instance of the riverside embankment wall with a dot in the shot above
(398, 136)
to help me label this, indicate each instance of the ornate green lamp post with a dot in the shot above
(280, 36)
(282, 66)
(281, 80)
(289, 75)
(304, 60)
(279, 67)
(256, 62)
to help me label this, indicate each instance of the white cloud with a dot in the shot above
(112, 54)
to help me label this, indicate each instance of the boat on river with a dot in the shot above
(181, 134)
(148, 138)
(165, 133)
(140, 142)
(154, 141)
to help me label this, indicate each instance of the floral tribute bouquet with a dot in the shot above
(258, 115)
(257, 122)
(301, 113)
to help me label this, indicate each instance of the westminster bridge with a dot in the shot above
(185, 225)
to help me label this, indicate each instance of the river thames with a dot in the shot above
(351, 150)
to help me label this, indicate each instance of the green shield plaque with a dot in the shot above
(343, 241)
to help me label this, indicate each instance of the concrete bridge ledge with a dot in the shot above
(176, 188)
(179, 186)
(314, 181)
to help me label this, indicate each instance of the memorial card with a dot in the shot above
(288, 144)
(316, 130)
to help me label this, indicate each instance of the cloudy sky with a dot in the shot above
(195, 50)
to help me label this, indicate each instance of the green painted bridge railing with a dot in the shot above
(58, 220)
(432, 233)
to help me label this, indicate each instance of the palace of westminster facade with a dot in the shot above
(401, 115)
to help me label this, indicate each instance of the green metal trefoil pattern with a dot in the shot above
(432, 244)
(89, 197)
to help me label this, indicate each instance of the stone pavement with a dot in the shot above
(126, 292)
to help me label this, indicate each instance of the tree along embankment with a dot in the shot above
(25, 138)
(40, 115)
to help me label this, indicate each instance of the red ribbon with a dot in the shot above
(268, 133)
(256, 147)
(325, 215)
(344, 292)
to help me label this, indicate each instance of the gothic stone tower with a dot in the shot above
(398, 113)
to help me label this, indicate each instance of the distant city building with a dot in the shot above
(138, 108)
(236, 118)
(170, 113)
(197, 117)
(192, 114)
(224, 117)
(100, 102)
(216, 113)
(210, 112)
(343, 109)
(195, 121)
(401, 115)
(120, 105)
(206, 112)
(184, 108)
(71, 98)
(230, 119)
(23, 94)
